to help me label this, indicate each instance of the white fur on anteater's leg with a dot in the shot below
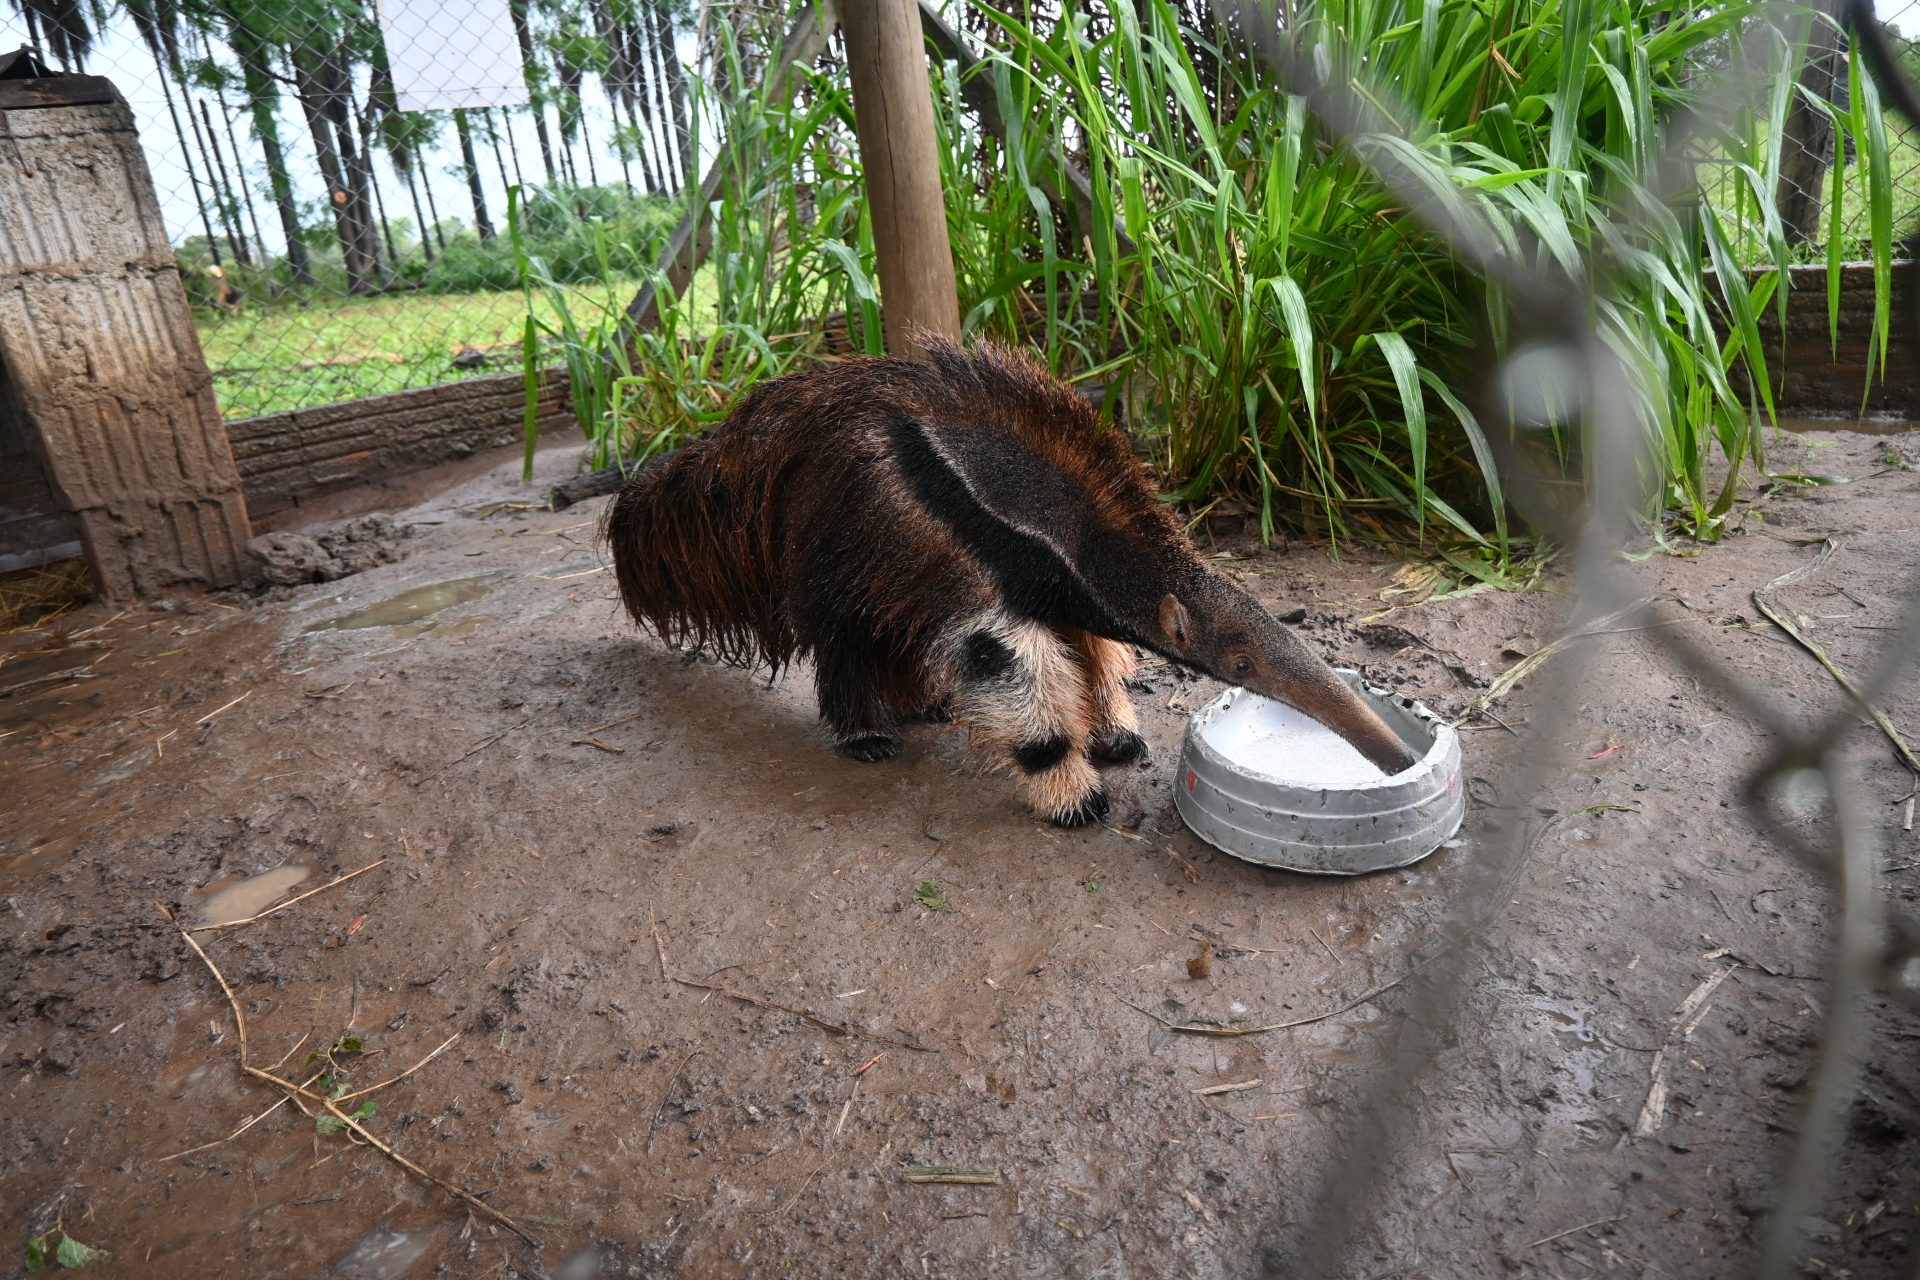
(1022, 691)
(1116, 727)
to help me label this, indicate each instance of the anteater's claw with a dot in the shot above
(1086, 813)
(869, 748)
(1118, 748)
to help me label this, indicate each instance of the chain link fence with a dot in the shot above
(339, 245)
(335, 179)
(1823, 201)
(1875, 944)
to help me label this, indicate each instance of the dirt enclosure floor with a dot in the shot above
(551, 792)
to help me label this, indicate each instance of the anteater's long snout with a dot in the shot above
(1334, 703)
(1302, 679)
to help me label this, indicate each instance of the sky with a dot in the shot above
(120, 56)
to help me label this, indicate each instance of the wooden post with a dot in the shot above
(893, 116)
(101, 358)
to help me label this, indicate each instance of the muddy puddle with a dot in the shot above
(413, 605)
(247, 898)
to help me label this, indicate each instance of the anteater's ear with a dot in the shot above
(1173, 621)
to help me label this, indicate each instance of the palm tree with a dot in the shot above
(221, 78)
(481, 222)
(535, 76)
(64, 27)
(573, 54)
(251, 47)
(158, 25)
(403, 134)
(664, 31)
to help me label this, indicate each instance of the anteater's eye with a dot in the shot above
(1243, 666)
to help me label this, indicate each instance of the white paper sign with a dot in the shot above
(452, 53)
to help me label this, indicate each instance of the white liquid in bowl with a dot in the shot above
(1260, 735)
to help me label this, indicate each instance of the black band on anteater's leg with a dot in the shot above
(1025, 697)
(1037, 755)
(848, 678)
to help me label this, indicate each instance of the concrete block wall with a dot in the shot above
(285, 458)
(103, 364)
(1813, 376)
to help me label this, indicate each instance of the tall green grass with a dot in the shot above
(1293, 337)
(791, 243)
(1274, 325)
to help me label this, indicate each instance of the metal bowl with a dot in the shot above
(1263, 782)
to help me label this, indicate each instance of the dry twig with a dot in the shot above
(298, 1093)
(1685, 1019)
(1827, 547)
(338, 880)
(943, 1173)
(825, 1024)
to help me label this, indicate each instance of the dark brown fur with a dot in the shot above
(960, 532)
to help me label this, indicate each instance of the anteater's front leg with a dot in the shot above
(1116, 726)
(1022, 692)
(849, 676)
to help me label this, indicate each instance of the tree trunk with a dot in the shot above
(229, 203)
(1806, 143)
(363, 125)
(676, 77)
(660, 105)
(239, 168)
(214, 186)
(433, 210)
(653, 98)
(155, 47)
(617, 79)
(38, 40)
(310, 91)
(593, 170)
(571, 80)
(386, 234)
(481, 222)
(636, 141)
(530, 72)
(261, 93)
(420, 217)
(893, 118)
(356, 163)
(513, 148)
(500, 158)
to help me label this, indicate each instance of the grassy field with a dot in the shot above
(1903, 155)
(298, 355)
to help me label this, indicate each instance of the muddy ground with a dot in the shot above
(548, 789)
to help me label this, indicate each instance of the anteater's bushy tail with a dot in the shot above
(692, 541)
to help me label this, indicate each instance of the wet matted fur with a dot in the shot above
(961, 534)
